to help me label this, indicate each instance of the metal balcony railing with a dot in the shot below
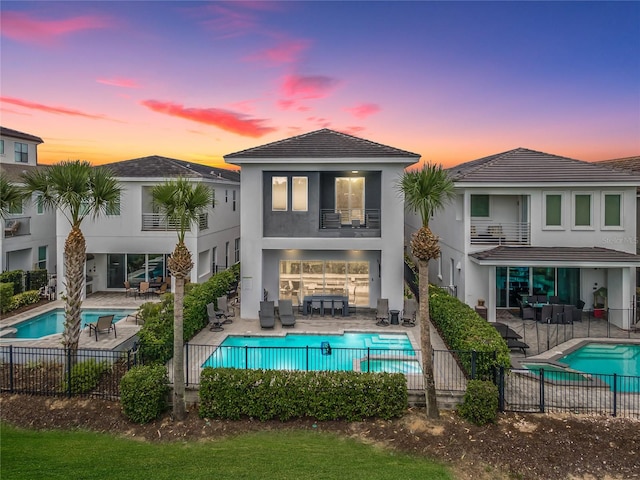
(158, 222)
(487, 232)
(17, 226)
(350, 217)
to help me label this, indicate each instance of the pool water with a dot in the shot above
(555, 373)
(351, 351)
(52, 322)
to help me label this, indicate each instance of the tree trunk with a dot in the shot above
(74, 259)
(179, 410)
(425, 341)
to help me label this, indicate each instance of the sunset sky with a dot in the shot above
(451, 81)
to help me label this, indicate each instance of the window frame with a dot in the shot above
(115, 209)
(545, 225)
(236, 250)
(233, 199)
(19, 155)
(604, 225)
(293, 194)
(471, 213)
(42, 262)
(574, 196)
(2, 147)
(39, 204)
(286, 193)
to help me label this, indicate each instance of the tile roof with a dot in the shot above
(554, 255)
(14, 171)
(8, 132)
(529, 166)
(631, 164)
(323, 143)
(156, 166)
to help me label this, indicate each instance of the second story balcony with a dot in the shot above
(355, 222)
(487, 232)
(17, 227)
(158, 222)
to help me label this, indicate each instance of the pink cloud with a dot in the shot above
(119, 82)
(223, 119)
(50, 109)
(24, 28)
(363, 110)
(306, 87)
(352, 130)
(285, 52)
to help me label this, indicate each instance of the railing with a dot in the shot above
(159, 222)
(17, 227)
(58, 372)
(350, 218)
(483, 232)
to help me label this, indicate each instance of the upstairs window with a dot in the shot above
(279, 194)
(582, 210)
(234, 200)
(612, 210)
(213, 198)
(480, 205)
(300, 194)
(553, 210)
(1, 147)
(39, 205)
(15, 208)
(114, 209)
(21, 152)
(236, 250)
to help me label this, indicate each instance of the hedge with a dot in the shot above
(283, 394)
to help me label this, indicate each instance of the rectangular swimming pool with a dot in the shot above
(362, 352)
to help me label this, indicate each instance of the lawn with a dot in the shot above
(27, 454)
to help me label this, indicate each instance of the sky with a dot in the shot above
(106, 81)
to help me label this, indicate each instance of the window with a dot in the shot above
(214, 260)
(479, 205)
(42, 257)
(21, 152)
(279, 194)
(1, 147)
(582, 210)
(114, 209)
(350, 198)
(300, 195)
(213, 198)
(39, 205)
(226, 255)
(16, 208)
(553, 210)
(236, 252)
(612, 210)
(226, 196)
(234, 200)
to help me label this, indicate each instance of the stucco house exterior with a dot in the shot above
(28, 241)
(132, 242)
(321, 216)
(525, 222)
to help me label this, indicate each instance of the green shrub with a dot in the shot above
(143, 393)
(15, 277)
(6, 297)
(281, 394)
(480, 404)
(86, 375)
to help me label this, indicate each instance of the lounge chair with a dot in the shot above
(103, 324)
(267, 314)
(223, 311)
(382, 312)
(513, 343)
(409, 313)
(162, 290)
(285, 311)
(11, 228)
(215, 321)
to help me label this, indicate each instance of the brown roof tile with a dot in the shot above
(8, 132)
(555, 255)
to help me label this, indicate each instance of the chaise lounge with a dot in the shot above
(285, 311)
(102, 325)
(267, 314)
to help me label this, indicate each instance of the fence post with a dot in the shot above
(542, 390)
(186, 363)
(246, 357)
(474, 358)
(368, 359)
(11, 368)
(68, 352)
(501, 388)
(615, 394)
(307, 359)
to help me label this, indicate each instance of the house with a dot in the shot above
(28, 240)
(322, 215)
(526, 223)
(132, 243)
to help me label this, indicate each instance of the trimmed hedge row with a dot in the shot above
(16, 278)
(464, 330)
(143, 393)
(282, 394)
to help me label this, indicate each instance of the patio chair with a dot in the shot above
(215, 322)
(143, 289)
(11, 228)
(223, 311)
(285, 312)
(162, 290)
(103, 324)
(267, 314)
(128, 290)
(577, 313)
(569, 313)
(554, 299)
(528, 313)
(557, 314)
(331, 220)
(382, 312)
(546, 314)
(409, 312)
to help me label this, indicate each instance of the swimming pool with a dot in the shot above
(52, 322)
(362, 352)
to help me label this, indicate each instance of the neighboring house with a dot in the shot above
(322, 215)
(526, 222)
(132, 243)
(28, 241)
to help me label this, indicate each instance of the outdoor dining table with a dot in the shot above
(325, 302)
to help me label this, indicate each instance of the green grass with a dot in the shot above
(27, 454)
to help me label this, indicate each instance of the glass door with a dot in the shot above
(350, 199)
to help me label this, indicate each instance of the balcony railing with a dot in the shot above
(17, 226)
(158, 222)
(350, 217)
(487, 232)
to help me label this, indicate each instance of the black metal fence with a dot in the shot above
(60, 372)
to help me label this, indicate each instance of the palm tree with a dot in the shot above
(181, 202)
(425, 192)
(77, 190)
(10, 195)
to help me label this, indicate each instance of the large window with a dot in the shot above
(21, 152)
(135, 267)
(350, 198)
(582, 210)
(553, 210)
(300, 194)
(612, 210)
(115, 208)
(279, 194)
(42, 257)
(479, 205)
(514, 283)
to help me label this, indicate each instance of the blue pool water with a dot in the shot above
(351, 351)
(52, 322)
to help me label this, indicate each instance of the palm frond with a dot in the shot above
(427, 190)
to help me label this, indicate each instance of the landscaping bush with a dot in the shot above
(15, 277)
(86, 375)
(25, 298)
(282, 394)
(480, 404)
(143, 393)
(6, 294)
